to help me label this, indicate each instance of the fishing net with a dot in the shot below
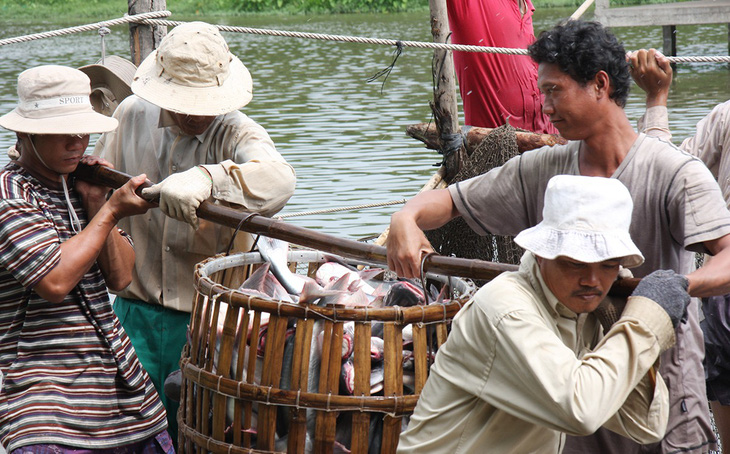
(457, 238)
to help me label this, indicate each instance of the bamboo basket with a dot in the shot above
(230, 400)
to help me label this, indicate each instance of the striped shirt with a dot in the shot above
(70, 375)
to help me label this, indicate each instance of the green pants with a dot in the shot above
(158, 335)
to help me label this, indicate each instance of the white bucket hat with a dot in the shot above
(110, 82)
(586, 219)
(55, 100)
(194, 73)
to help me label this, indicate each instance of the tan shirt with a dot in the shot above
(520, 369)
(708, 144)
(677, 207)
(247, 173)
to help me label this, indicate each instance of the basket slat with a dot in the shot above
(275, 337)
(361, 420)
(300, 377)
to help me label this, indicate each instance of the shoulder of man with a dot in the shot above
(508, 293)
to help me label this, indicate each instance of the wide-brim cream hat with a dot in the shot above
(586, 219)
(55, 100)
(112, 77)
(194, 73)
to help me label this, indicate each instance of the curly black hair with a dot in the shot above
(581, 49)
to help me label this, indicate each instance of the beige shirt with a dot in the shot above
(247, 173)
(677, 207)
(520, 369)
(708, 144)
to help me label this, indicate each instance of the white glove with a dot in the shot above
(182, 193)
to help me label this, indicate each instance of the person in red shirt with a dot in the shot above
(497, 88)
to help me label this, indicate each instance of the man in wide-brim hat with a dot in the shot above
(182, 127)
(111, 81)
(63, 354)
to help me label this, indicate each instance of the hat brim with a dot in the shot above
(115, 75)
(583, 246)
(77, 123)
(235, 92)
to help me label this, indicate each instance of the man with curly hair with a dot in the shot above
(678, 208)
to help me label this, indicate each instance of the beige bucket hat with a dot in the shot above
(55, 100)
(111, 82)
(586, 219)
(194, 73)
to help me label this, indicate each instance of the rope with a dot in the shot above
(334, 210)
(415, 44)
(86, 28)
(153, 18)
(351, 39)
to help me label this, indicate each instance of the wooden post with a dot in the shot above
(143, 39)
(669, 42)
(444, 104)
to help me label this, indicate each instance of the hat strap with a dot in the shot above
(73, 218)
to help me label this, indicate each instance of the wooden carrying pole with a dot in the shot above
(274, 228)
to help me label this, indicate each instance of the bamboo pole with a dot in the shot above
(581, 9)
(275, 228)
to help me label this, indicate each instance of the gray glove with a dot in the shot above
(669, 290)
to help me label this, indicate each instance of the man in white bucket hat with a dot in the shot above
(70, 380)
(526, 361)
(182, 128)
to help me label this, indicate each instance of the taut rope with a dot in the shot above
(396, 43)
(334, 210)
(153, 18)
(86, 28)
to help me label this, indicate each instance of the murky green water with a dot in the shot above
(344, 136)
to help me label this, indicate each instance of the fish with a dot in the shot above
(347, 378)
(276, 253)
(329, 271)
(405, 294)
(377, 349)
(262, 284)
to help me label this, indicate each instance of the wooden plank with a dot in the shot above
(680, 13)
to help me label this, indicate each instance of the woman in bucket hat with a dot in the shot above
(182, 127)
(70, 380)
(526, 362)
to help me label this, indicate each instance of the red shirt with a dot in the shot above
(497, 88)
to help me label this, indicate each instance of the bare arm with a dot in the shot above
(98, 241)
(713, 278)
(406, 241)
